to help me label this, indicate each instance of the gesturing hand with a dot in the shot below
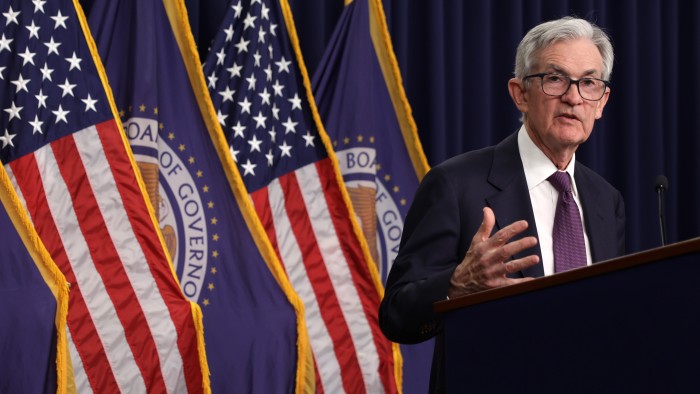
(486, 263)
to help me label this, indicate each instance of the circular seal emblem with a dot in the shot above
(174, 194)
(375, 201)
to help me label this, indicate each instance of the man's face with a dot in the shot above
(560, 124)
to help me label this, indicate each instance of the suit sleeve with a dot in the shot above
(428, 256)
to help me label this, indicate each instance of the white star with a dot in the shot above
(251, 82)
(39, 5)
(11, 16)
(222, 117)
(308, 138)
(248, 168)
(249, 21)
(67, 88)
(234, 153)
(220, 57)
(33, 30)
(275, 111)
(7, 138)
(261, 35)
(265, 12)
(61, 114)
(260, 120)
(89, 103)
(296, 101)
(278, 88)
(269, 50)
(273, 27)
(270, 158)
(283, 65)
(212, 80)
(53, 46)
(1, 70)
(41, 99)
(255, 143)
(13, 111)
(74, 62)
(242, 45)
(257, 57)
(245, 105)
(273, 134)
(21, 84)
(268, 72)
(27, 56)
(46, 72)
(234, 70)
(227, 94)
(238, 8)
(229, 33)
(60, 20)
(5, 43)
(36, 124)
(265, 96)
(238, 130)
(286, 149)
(289, 126)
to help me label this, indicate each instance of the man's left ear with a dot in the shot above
(601, 104)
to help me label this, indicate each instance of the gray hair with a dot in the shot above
(564, 29)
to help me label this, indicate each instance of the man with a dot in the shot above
(490, 218)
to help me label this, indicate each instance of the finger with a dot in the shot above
(495, 255)
(515, 247)
(506, 233)
(513, 281)
(520, 264)
(487, 224)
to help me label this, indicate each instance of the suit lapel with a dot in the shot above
(600, 231)
(512, 201)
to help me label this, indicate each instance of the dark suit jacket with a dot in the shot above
(447, 212)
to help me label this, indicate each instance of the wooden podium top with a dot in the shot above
(617, 264)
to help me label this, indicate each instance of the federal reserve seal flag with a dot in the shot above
(365, 110)
(253, 321)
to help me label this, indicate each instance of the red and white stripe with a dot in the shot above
(130, 327)
(309, 225)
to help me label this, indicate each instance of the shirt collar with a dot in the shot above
(537, 165)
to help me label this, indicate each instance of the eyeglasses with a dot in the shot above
(557, 85)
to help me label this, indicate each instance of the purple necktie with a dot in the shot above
(567, 235)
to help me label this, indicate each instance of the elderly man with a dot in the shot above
(521, 209)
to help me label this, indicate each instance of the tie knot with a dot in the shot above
(560, 181)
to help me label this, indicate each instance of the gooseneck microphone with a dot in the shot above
(661, 187)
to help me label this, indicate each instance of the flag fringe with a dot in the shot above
(392, 75)
(49, 271)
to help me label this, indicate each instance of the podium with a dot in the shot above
(627, 325)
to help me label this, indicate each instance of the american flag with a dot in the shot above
(259, 87)
(130, 328)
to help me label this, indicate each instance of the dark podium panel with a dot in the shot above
(628, 325)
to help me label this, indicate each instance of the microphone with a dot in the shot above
(661, 187)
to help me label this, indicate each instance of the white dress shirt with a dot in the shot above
(544, 196)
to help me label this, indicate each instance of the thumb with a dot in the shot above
(486, 225)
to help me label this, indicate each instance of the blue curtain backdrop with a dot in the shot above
(457, 56)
